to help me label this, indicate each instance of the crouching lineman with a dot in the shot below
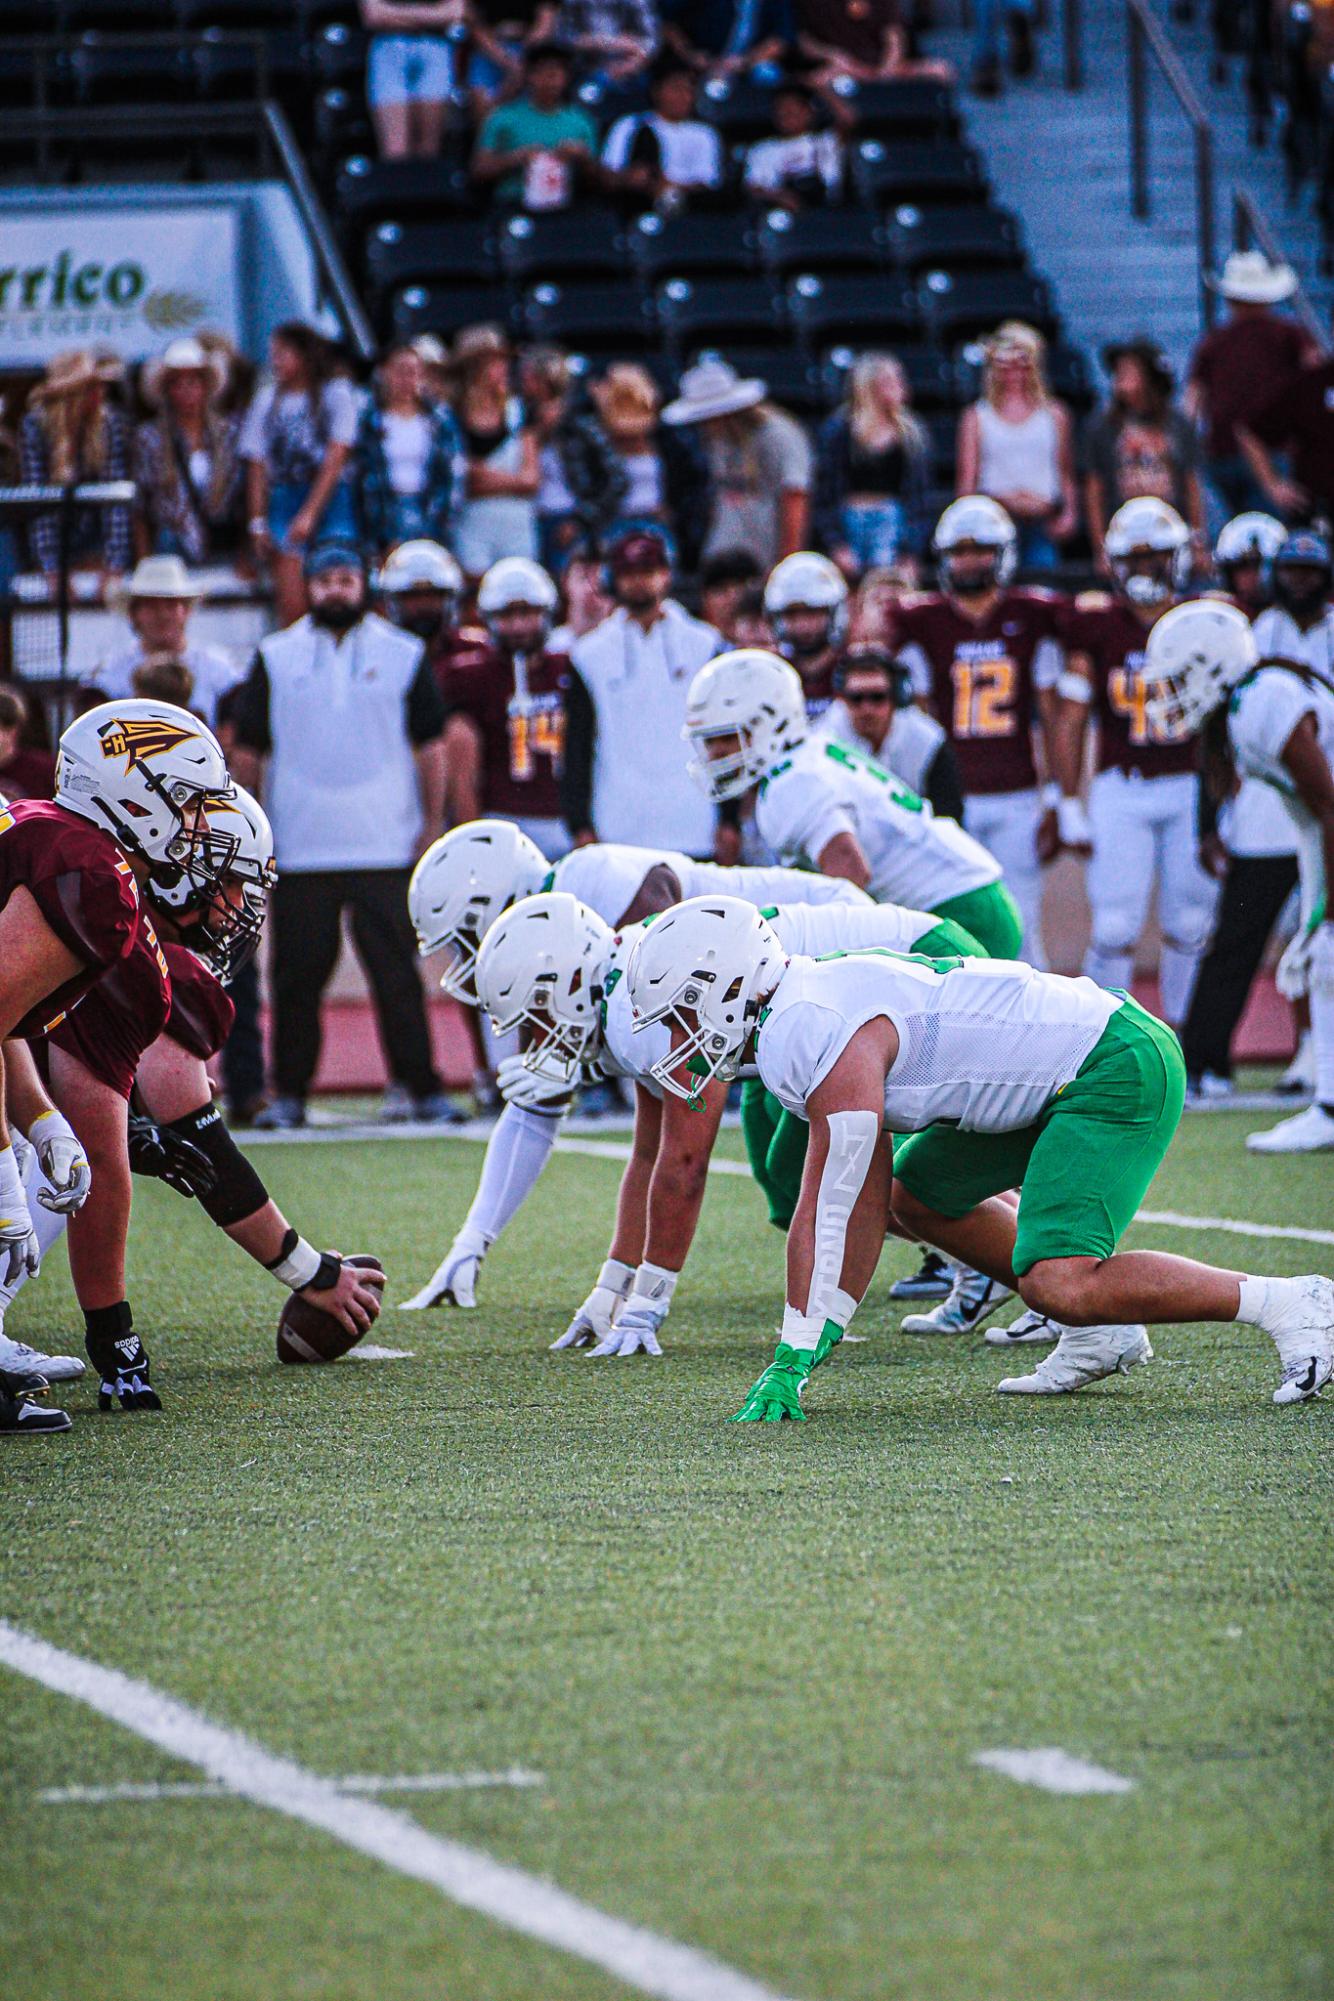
(152, 1023)
(1004, 1077)
(132, 786)
(1272, 719)
(552, 972)
(459, 887)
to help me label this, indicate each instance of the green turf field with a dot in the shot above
(753, 1664)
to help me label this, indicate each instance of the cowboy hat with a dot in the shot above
(1249, 279)
(77, 368)
(712, 388)
(161, 577)
(178, 358)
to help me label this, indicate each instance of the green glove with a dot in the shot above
(777, 1394)
(830, 1336)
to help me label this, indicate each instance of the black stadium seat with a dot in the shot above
(713, 312)
(910, 108)
(593, 318)
(112, 17)
(841, 239)
(582, 242)
(916, 171)
(789, 376)
(158, 72)
(741, 108)
(340, 55)
(443, 309)
(691, 245)
(976, 301)
(270, 14)
(227, 64)
(868, 308)
(954, 239)
(458, 251)
(368, 191)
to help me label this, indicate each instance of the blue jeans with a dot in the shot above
(1037, 551)
(874, 533)
(987, 25)
(338, 523)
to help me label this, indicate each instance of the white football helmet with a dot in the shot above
(461, 885)
(1249, 538)
(516, 583)
(755, 696)
(145, 771)
(1147, 545)
(542, 967)
(1195, 656)
(808, 582)
(420, 565)
(718, 958)
(976, 522)
(228, 933)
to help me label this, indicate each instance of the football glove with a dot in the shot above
(518, 1085)
(1292, 975)
(640, 1320)
(122, 1367)
(597, 1316)
(165, 1155)
(64, 1164)
(454, 1280)
(20, 1252)
(776, 1396)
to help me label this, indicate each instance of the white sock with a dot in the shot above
(1256, 1300)
(1322, 1041)
(1176, 981)
(516, 1153)
(1109, 969)
(47, 1225)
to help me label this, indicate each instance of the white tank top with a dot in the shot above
(984, 1046)
(1015, 458)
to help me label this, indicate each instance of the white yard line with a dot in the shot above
(1054, 1771)
(644, 1960)
(367, 1351)
(356, 1782)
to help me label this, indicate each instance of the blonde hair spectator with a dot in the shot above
(1016, 445)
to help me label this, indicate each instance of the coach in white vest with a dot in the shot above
(625, 761)
(346, 711)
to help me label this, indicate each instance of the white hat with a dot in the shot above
(162, 577)
(712, 388)
(175, 359)
(1250, 279)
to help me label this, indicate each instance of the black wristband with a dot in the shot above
(329, 1273)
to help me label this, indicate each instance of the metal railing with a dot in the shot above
(276, 152)
(1145, 37)
(1251, 227)
(1072, 44)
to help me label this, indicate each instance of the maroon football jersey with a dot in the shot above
(817, 685)
(1112, 640)
(522, 729)
(83, 886)
(982, 689)
(201, 1008)
(121, 1016)
(466, 646)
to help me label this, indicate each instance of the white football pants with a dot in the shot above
(1006, 823)
(1144, 831)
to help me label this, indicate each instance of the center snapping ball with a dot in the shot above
(306, 1333)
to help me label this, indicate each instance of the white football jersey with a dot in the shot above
(826, 788)
(609, 875)
(807, 929)
(908, 751)
(985, 1045)
(1264, 712)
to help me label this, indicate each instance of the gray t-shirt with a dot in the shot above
(1130, 458)
(750, 473)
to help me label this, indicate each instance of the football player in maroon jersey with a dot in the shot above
(985, 658)
(806, 605)
(1142, 802)
(505, 737)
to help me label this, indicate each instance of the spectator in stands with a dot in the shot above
(726, 582)
(71, 432)
(1297, 420)
(625, 778)
(614, 39)
(1241, 366)
(582, 483)
(498, 515)
(297, 440)
(872, 615)
(498, 31)
(25, 773)
(727, 37)
(187, 459)
(800, 167)
(158, 604)
(665, 476)
(410, 73)
(437, 377)
(872, 471)
(759, 461)
(858, 41)
(409, 459)
(661, 157)
(750, 621)
(1016, 443)
(584, 598)
(345, 711)
(536, 150)
(1140, 443)
(1019, 17)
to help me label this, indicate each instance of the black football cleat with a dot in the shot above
(22, 1413)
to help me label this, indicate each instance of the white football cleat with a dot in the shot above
(1082, 1355)
(1301, 1322)
(973, 1298)
(1311, 1131)
(18, 1359)
(1030, 1326)
(1298, 1080)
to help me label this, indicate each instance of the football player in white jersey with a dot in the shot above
(1275, 719)
(551, 970)
(820, 802)
(459, 887)
(1004, 1076)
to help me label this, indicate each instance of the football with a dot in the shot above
(307, 1333)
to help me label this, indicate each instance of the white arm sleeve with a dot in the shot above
(516, 1153)
(852, 1142)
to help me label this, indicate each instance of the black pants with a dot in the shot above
(1255, 891)
(243, 1051)
(306, 913)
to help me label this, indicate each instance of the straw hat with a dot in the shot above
(181, 357)
(1249, 279)
(76, 369)
(712, 388)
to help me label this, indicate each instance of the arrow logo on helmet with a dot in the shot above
(141, 738)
